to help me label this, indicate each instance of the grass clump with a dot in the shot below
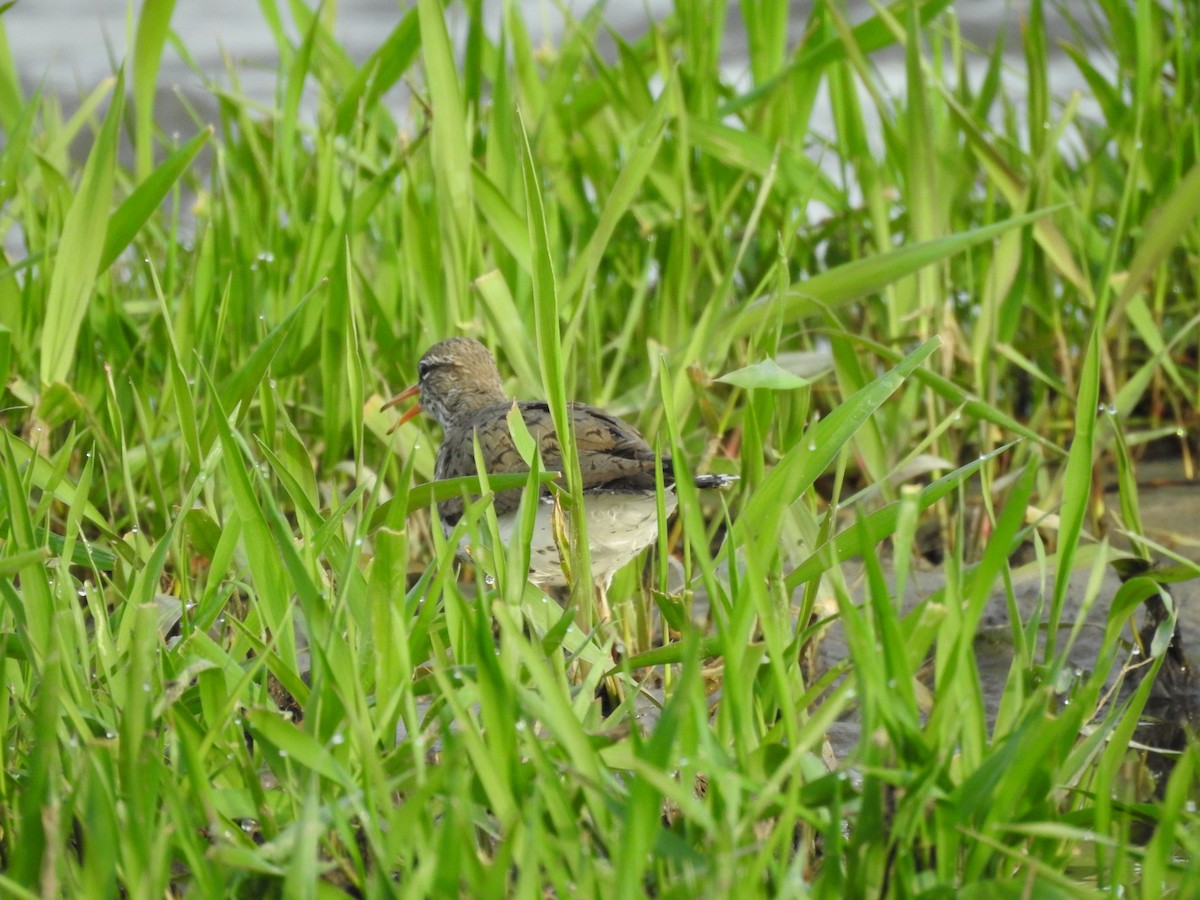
(239, 660)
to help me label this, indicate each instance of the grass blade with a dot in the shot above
(80, 249)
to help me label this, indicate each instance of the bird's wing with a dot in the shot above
(457, 457)
(612, 455)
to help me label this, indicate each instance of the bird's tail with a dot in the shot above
(714, 481)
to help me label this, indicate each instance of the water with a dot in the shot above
(72, 43)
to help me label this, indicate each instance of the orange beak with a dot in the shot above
(409, 413)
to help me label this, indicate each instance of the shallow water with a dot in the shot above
(71, 43)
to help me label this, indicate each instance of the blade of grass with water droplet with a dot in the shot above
(140, 205)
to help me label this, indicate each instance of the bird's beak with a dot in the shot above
(409, 413)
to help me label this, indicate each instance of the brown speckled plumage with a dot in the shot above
(460, 387)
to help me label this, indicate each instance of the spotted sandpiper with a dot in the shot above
(459, 385)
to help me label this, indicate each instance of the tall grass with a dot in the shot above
(239, 660)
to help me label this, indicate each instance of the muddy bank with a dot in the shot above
(1170, 510)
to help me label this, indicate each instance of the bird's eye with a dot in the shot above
(423, 368)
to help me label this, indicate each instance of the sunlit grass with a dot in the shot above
(238, 657)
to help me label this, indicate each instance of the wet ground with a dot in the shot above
(1170, 510)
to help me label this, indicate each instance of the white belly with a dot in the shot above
(619, 526)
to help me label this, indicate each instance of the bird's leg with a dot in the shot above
(602, 608)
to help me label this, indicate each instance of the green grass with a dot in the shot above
(238, 659)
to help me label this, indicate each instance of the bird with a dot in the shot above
(459, 385)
